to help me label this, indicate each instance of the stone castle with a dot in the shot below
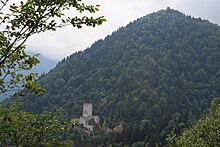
(88, 120)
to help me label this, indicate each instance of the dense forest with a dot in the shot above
(156, 75)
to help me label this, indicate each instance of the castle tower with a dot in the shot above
(87, 109)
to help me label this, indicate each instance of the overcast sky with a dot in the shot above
(59, 44)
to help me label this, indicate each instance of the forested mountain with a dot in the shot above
(155, 75)
(43, 67)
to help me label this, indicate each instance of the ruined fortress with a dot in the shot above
(87, 120)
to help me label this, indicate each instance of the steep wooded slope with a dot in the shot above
(157, 73)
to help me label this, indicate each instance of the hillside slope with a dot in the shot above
(156, 74)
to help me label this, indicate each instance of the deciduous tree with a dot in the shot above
(18, 22)
(18, 128)
(205, 132)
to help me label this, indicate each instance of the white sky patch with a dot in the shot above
(48, 45)
(65, 41)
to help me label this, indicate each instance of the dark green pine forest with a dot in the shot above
(156, 75)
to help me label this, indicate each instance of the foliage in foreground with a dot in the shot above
(205, 132)
(18, 128)
(19, 21)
